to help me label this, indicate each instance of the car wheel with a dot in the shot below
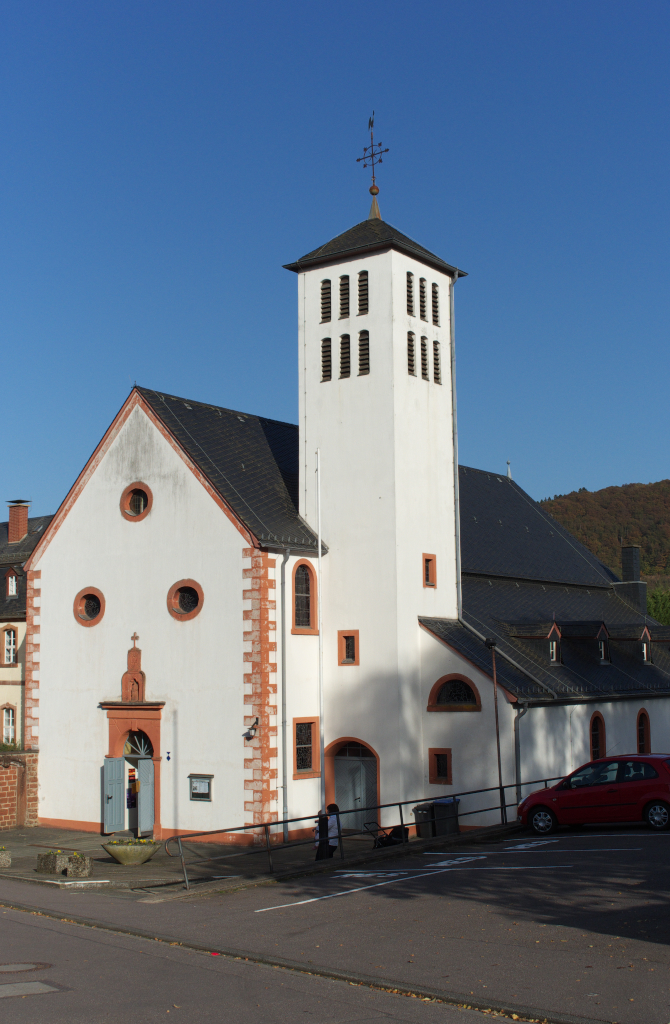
(657, 815)
(542, 820)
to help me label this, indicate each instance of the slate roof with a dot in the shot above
(14, 556)
(251, 461)
(369, 236)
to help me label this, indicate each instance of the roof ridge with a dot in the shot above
(218, 408)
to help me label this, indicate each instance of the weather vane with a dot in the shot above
(372, 155)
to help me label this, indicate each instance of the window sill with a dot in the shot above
(297, 631)
(307, 775)
(348, 664)
(439, 782)
(454, 707)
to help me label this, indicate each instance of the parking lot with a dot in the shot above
(574, 926)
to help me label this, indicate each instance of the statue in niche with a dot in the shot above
(133, 680)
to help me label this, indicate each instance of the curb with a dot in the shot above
(517, 1011)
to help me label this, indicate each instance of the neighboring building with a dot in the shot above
(177, 587)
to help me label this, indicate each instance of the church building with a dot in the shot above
(173, 619)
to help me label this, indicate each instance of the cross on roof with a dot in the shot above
(373, 154)
(134, 637)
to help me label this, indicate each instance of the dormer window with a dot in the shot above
(362, 293)
(553, 652)
(602, 648)
(344, 297)
(646, 652)
(423, 313)
(12, 584)
(410, 294)
(325, 302)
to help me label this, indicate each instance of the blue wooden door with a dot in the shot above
(113, 794)
(145, 797)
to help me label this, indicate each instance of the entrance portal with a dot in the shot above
(128, 784)
(356, 785)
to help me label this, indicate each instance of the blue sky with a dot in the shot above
(161, 161)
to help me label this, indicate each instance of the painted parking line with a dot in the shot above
(593, 849)
(603, 835)
(25, 988)
(425, 874)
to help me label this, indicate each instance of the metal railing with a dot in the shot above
(272, 830)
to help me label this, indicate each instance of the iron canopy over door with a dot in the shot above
(356, 785)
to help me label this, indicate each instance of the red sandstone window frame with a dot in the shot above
(173, 600)
(11, 574)
(431, 583)
(603, 736)
(124, 504)
(314, 722)
(454, 708)
(312, 629)
(647, 732)
(8, 707)
(3, 630)
(433, 778)
(78, 606)
(342, 647)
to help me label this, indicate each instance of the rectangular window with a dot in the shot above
(326, 362)
(11, 586)
(422, 299)
(436, 305)
(553, 650)
(200, 787)
(437, 372)
(344, 297)
(363, 293)
(602, 647)
(424, 359)
(410, 294)
(646, 652)
(306, 748)
(411, 355)
(347, 647)
(10, 647)
(8, 725)
(439, 766)
(429, 570)
(325, 302)
(363, 353)
(345, 356)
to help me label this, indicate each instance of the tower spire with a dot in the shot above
(372, 155)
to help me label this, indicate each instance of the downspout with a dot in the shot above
(520, 712)
(284, 758)
(454, 422)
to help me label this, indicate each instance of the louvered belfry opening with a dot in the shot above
(326, 360)
(303, 606)
(436, 305)
(411, 355)
(422, 299)
(344, 297)
(345, 356)
(437, 369)
(363, 353)
(410, 294)
(325, 302)
(362, 292)
(424, 359)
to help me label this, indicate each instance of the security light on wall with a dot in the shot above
(251, 731)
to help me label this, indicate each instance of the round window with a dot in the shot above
(185, 599)
(136, 502)
(89, 606)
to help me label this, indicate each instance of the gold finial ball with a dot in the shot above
(374, 191)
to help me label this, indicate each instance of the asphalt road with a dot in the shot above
(573, 926)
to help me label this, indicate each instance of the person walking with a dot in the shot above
(326, 847)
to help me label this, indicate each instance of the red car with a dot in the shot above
(630, 787)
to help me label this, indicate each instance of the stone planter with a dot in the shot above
(130, 854)
(52, 863)
(5, 858)
(79, 867)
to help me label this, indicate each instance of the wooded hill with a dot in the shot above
(633, 514)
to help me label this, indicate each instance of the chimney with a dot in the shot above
(18, 520)
(630, 564)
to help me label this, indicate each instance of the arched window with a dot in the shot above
(454, 693)
(437, 371)
(326, 362)
(362, 293)
(304, 599)
(411, 355)
(436, 305)
(410, 294)
(363, 353)
(345, 356)
(344, 297)
(423, 313)
(643, 733)
(598, 748)
(424, 359)
(325, 302)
